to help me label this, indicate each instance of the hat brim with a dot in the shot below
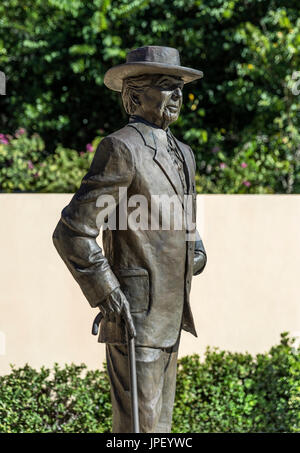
(114, 77)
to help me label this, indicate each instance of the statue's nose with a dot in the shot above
(177, 93)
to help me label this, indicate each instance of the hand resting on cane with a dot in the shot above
(116, 305)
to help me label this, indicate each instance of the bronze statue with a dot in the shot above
(142, 280)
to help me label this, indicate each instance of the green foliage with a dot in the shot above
(25, 166)
(55, 54)
(227, 392)
(262, 165)
(58, 400)
(233, 392)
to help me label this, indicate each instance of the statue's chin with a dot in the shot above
(169, 117)
(162, 118)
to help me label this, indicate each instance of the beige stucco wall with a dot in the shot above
(248, 294)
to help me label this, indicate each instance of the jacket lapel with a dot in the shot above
(156, 139)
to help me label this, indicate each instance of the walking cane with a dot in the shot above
(132, 373)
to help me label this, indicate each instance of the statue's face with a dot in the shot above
(161, 101)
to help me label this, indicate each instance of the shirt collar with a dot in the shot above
(139, 119)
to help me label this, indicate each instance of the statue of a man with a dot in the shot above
(142, 280)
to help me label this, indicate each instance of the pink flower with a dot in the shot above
(244, 165)
(222, 165)
(89, 148)
(30, 165)
(4, 141)
(247, 183)
(20, 132)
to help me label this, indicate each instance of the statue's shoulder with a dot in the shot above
(182, 144)
(127, 135)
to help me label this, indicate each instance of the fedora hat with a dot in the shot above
(150, 60)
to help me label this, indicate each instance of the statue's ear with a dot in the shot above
(135, 99)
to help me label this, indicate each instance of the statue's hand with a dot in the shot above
(116, 305)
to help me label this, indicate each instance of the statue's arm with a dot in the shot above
(80, 223)
(200, 257)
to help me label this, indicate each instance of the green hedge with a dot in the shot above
(242, 120)
(25, 165)
(226, 392)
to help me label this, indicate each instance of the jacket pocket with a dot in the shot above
(135, 285)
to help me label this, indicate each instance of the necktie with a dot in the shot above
(177, 159)
(172, 148)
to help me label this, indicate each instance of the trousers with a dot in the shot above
(156, 381)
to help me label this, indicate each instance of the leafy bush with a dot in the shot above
(262, 165)
(25, 165)
(227, 392)
(234, 392)
(245, 110)
(58, 400)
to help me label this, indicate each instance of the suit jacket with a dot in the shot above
(154, 268)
